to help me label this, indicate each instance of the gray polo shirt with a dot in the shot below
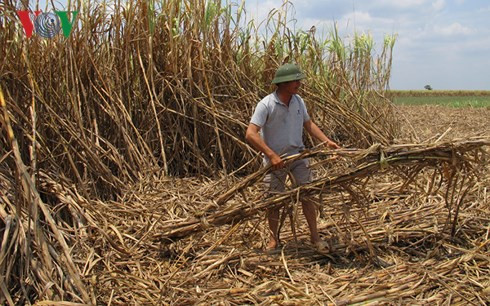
(281, 126)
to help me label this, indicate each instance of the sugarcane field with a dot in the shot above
(136, 165)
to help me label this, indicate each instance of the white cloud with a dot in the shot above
(362, 20)
(361, 17)
(259, 10)
(452, 30)
(403, 4)
(438, 5)
(484, 9)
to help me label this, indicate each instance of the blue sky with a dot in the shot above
(444, 43)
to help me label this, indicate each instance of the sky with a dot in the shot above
(442, 43)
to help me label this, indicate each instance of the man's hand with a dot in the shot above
(315, 131)
(332, 145)
(253, 137)
(276, 162)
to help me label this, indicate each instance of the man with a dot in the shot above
(280, 117)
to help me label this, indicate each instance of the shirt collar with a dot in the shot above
(278, 101)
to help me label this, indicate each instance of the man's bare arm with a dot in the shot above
(315, 132)
(253, 137)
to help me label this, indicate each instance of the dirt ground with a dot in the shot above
(431, 121)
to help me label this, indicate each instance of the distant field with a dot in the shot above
(432, 93)
(453, 98)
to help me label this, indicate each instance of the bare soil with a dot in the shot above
(431, 121)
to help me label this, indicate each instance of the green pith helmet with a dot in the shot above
(287, 73)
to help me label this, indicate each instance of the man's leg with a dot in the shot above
(302, 175)
(273, 218)
(274, 183)
(309, 210)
